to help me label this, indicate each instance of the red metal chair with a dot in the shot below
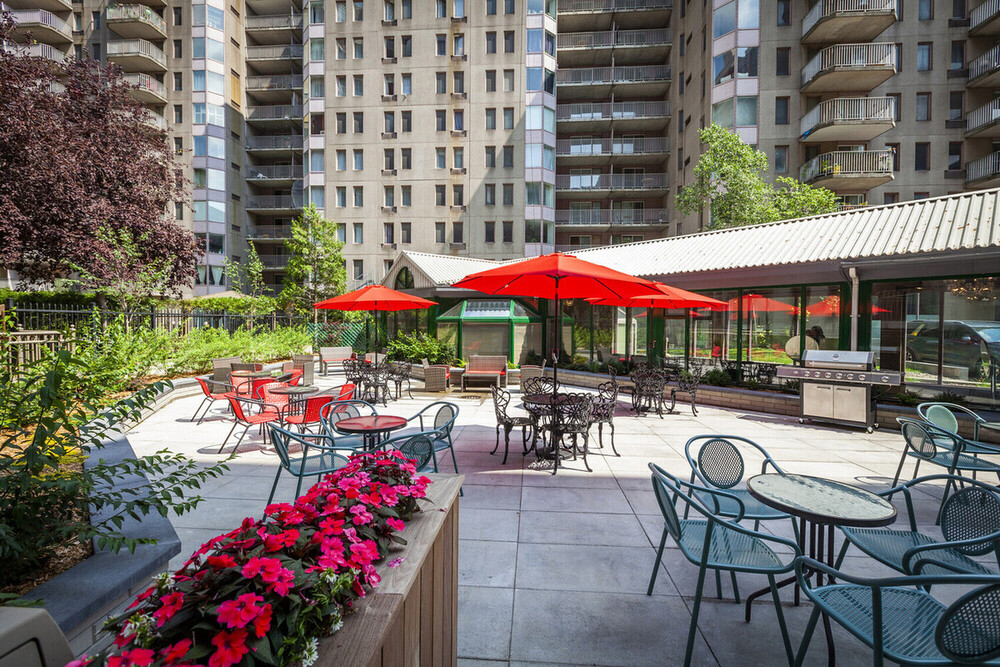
(346, 392)
(210, 396)
(306, 412)
(242, 417)
(279, 401)
(257, 388)
(240, 384)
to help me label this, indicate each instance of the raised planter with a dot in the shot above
(412, 617)
(81, 598)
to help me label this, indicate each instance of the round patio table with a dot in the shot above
(373, 428)
(819, 503)
(540, 404)
(294, 391)
(253, 374)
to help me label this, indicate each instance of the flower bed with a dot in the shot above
(265, 592)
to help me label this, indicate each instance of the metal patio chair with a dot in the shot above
(501, 401)
(419, 448)
(319, 456)
(604, 412)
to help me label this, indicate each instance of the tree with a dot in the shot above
(729, 181)
(315, 269)
(78, 155)
(248, 277)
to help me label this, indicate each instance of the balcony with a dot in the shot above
(137, 55)
(837, 21)
(274, 88)
(269, 7)
(983, 173)
(857, 171)
(984, 121)
(985, 19)
(44, 26)
(984, 71)
(849, 119)
(580, 49)
(147, 89)
(274, 58)
(643, 217)
(275, 113)
(274, 261)
(136, 21)
(589, 184)
(283, 143)
(651, 80)
(37, 51)
(275, 174)
(598, 150)
(844, 67)
(275, 29)
(624, 116)
(273, 203)
(156, 121)
(576, 15)
(269, 232)
(48, 5)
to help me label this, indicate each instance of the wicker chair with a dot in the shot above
(501, 400)
(437, 377)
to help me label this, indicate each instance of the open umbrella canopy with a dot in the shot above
(755, 303)
(557, 276)
(375, 297)
(830, 307)
(670, 297)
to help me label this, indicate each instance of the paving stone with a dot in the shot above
(484, 622)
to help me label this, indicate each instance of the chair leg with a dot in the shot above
(228, 435)
(497, 446)
(781, 618)
(198, 409)
(807, 637)
(736, 586)
(586, 446)
(274, 486)
(693, 630)
(694, 408)
(842, 554)
(718, 584)
(656, 565)
(899, 469)
(611, 428)
(506, 443)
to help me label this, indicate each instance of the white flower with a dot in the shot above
(310, 653)
(164, 580)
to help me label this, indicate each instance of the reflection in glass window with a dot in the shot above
(535, 40)
(749, 18)
(723, 68)
(722, 113)
(724, 20)
(746, 111)
(746, 61)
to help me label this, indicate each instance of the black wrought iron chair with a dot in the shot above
(570, 417)
(604, 412)
(687, 383)
(501, 401)
(399, 372)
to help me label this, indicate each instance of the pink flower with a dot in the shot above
(230, 648)
(237, 613)
(139, 657)
(176, 651)
(267, 568)
(281, 540)
(389, 495)
(172, 602)
(82, 662)
(396, 562)
(395, 524)
(262, 623)
(365, 552)
(221, 562)
(283, 585)
(373, 499)
(361, 515)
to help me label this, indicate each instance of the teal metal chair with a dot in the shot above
(319, 456)
(419, 448)
(714, 543)
(716, 461)
(943, 415)
(970, 524)
(905, 624)
(438, 428)
(335, 411)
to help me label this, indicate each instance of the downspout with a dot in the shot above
(855, 306)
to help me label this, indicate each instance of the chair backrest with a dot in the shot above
(346, 392)
(971, 513)
(537, 385)
(968, 631)
(667, 489)
(501, 399)
(311, 408)
(270, 397)
(484, 362)
(204, 386)
(334, 411)
(425, 363)
(257, 386)
(419, 448)
(608, 391)
(283, 439)
(719, 461)
(237, 405)
(918, 438)
(572, 412)
(444, 419)
(221, 368)
(240, 366)
(241, 384)
(940, 415)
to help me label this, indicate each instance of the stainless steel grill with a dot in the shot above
(836, 386)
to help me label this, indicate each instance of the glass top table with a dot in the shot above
(294, 391)
(255, 374)
(821, 501)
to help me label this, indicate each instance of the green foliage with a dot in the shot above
(315, 269)
(119, 358)
(718, 378)
(49, 426)
(195, 351)
(247, 277)
(951, 397)
(729, 181)
(405, 347)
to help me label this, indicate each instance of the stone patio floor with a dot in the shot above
(553, 570)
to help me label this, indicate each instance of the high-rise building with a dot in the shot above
(434, 126)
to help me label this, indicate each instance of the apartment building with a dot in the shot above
(506, 128)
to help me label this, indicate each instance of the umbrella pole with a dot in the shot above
(558, 333)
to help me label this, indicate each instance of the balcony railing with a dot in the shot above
(612, 111)
(275, 142)
(604, 75)
(585, 182)
(277, 21)
(269, 232)
(274, 52)
(986, 63)
(273, 202)
(643, 216)
(274, 261)
(137, 47)
(984, 13)
(983, 168)
(826, 8)
(581, 6)
(847, 163)
(849, 110)
(275, 112)
(987, 114)
(273, 172)
(136, 13)
(614, 38)
(850, 56)
(147, 82)
(46, 51)
(281, 82)
(597, 146)
(157, 121)
(29, 17)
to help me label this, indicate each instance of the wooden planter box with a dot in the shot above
(412, 617)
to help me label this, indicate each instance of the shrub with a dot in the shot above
(717, 377)
(951, 397)
(269, 589)
(49, 426)
(405, 347)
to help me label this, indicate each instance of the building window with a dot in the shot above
(441, 45)
(359, 269)
(178, 17)
(457, 232)
(440, 194)
(508, 194)
(508, 156)
(890, 198)
(458, 120)
(508, 231)
(508, 6)
(359, 122)
(491, 157)
(405, 158)
(440, 9)
(781, 111)
(440, 82)
(359, 85)
(359, 10)
(954, 155)
(341, 123)
(316, 162)
(784, 12)
(921, 195)
(406, 84)
(439, 232)
(440, 120)
(956, 105)
(922, 156)
(782, 61)
(491, 81)
(925, 10)
(178, 81)
(341, 12)
(389, 10)
(341, 160)
(405, 195)
(341, 48)
(781, 159)
(178, 113)
(895, 155)
(508, 80)
(406, 41)
(491, 7)
(458, 45)
(440, 158)
(316, 50)
(407, 9)
(390, 47)
(389, 122)
(359, 196)
(359, 48)
(508, 118)
(491, 42)
(458, 158)
(405, 231)
(457, 195)
(724, 20)
(389, 232)
(317, 87)
(922, 111)
(958, 54)
(490, 194)
(490, 231)
(897, 103)
(407, 120)
(491, 119)
(341, 198)
(508, 41)
(924, 57)
(317, 13)
(899, 52)
(958, 9)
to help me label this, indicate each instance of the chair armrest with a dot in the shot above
(914, 552)
(906, 581)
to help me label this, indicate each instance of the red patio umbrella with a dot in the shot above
(758, 303)
(669, 297)
(830, 306)
(557, 276)
(375, 298)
